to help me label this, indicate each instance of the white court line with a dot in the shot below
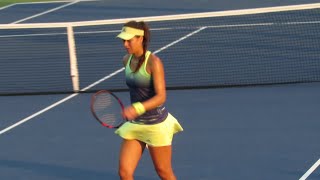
(5, 7)
(91, 85)
(58, 1)
(307, 174)
(46, 12)
(45, 2)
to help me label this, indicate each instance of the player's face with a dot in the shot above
(134, 45)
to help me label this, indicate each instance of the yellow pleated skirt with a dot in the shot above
(160, 134)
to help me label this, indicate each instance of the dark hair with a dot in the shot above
(146, 38)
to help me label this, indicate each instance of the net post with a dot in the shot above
(73, 59)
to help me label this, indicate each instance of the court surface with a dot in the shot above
(258, 133)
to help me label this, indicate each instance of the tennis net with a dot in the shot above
(263, 46)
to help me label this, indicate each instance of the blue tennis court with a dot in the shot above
(240, 120)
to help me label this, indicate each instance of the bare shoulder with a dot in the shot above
(154, 61)
(125, 59)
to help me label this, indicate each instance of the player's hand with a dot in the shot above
(130, 113)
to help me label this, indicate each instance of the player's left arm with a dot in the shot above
(156, 69)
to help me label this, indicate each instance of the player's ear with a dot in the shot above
(140, 39)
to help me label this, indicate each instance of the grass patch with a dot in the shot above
(8, 2)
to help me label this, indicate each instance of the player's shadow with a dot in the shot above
(56, 171)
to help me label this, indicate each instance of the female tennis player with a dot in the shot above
(149, 121)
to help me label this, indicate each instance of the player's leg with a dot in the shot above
(161, 157)
(130, 154)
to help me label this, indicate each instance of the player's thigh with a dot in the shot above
(161, 156)
(130, 153)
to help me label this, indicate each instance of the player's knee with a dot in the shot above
(125, 173)
(165, 173)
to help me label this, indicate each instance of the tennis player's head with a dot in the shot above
(136, 35)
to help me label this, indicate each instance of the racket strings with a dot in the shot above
(108, 109)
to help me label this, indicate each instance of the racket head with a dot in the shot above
(107, 108)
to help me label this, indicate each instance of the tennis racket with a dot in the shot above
(107, 108)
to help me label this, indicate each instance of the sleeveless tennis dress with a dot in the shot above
(155, 127)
